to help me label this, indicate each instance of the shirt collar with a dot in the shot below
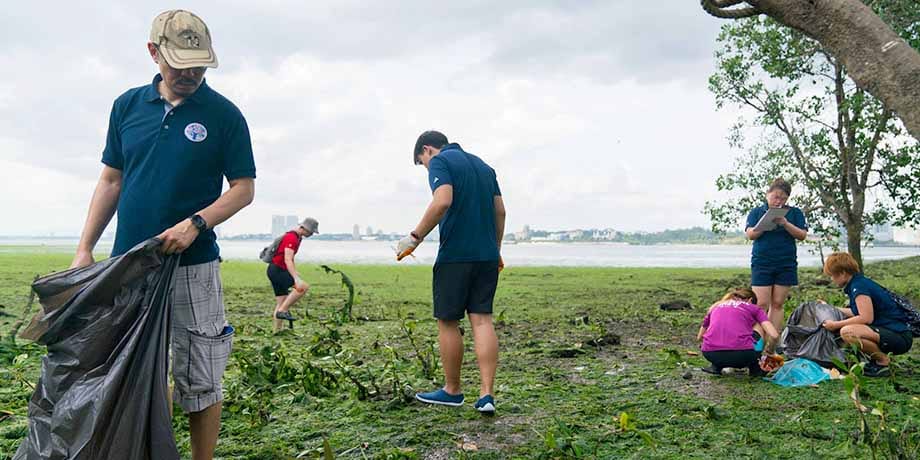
(452, 146)
(152, 94)
(850, 283)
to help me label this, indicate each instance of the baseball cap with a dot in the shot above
(310, 224)
(183, 40)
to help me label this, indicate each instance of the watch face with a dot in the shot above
(199, 222)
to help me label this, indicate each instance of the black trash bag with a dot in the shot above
(804, 337)
(103, 389)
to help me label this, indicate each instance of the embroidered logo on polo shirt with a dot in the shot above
(196, 132)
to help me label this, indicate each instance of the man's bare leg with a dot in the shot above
(204, 427)
(485, 343)
(451, 354)
(277, 324)
(291, 298)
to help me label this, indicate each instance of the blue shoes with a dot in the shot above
(486, 405)
(440, 397)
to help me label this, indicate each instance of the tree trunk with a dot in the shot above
(854, 243)
(877, 59)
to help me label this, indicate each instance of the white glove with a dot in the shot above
(406, 246)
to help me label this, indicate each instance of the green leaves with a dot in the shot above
(848, 158)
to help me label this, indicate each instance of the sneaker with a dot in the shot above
(875, 370)
(440, 397)
(285, 315)
(712, 369)
(485, 405)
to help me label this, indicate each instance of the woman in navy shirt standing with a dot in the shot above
(774, 266)
(874, 322)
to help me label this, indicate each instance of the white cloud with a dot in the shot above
(594, 116)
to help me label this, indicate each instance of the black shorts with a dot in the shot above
(733, 358)
(281, 279)
(896, 343)
(762, 275)
(464, 287)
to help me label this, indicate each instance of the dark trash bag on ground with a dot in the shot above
(805, 338)
(102, 393)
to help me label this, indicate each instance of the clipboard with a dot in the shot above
(766, 224)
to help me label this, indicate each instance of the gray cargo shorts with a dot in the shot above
(201, 338)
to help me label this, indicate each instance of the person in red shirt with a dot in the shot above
(282, 272)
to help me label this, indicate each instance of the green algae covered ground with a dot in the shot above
(590, 368)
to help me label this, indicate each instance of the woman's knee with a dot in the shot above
(853, 334)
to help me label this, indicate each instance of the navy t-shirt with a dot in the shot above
(775, 248)
(886, 313)
(173, 162)
(467, 230)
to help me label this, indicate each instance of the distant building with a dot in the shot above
(883, 233)
(356, 232)
(281, 224)
(576, 235)
(370, 230)
(906, 236)
(523, 235)
(607, 234)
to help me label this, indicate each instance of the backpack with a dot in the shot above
(268, 252)
(910, 312)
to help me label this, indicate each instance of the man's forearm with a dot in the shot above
(240, 195)
(101, 209)
(499, 229)
(292, 269)
(499, 204)
(430, 219)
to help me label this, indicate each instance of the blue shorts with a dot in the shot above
(770, 276)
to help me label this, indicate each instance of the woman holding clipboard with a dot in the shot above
(774, 228)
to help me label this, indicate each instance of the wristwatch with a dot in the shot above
(415, 235)
(199, 223)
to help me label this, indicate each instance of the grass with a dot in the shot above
(561, 392)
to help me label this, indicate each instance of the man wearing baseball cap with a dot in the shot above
(170, 144)
(282, 273)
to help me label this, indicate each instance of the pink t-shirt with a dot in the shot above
(730, 326)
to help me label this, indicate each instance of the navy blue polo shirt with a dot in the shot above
(775, 248)
(886, 313)
(173, 162)
(467, 230)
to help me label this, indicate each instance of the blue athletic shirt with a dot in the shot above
(775, 248)
(467, 230)
(886, 313)
(173, 162)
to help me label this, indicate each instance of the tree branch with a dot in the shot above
(876, 58)
(723, 9)
(873, 146)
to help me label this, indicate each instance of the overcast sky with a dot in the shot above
(593, 113)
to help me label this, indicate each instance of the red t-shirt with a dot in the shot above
(289, 240)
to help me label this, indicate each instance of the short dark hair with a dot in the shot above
(780, 184)
(430, 138)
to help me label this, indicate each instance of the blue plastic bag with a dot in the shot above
(799, 373)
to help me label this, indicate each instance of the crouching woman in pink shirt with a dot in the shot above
(730, 331)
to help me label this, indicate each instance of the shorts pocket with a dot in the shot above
(203, 277)
(207, 359)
